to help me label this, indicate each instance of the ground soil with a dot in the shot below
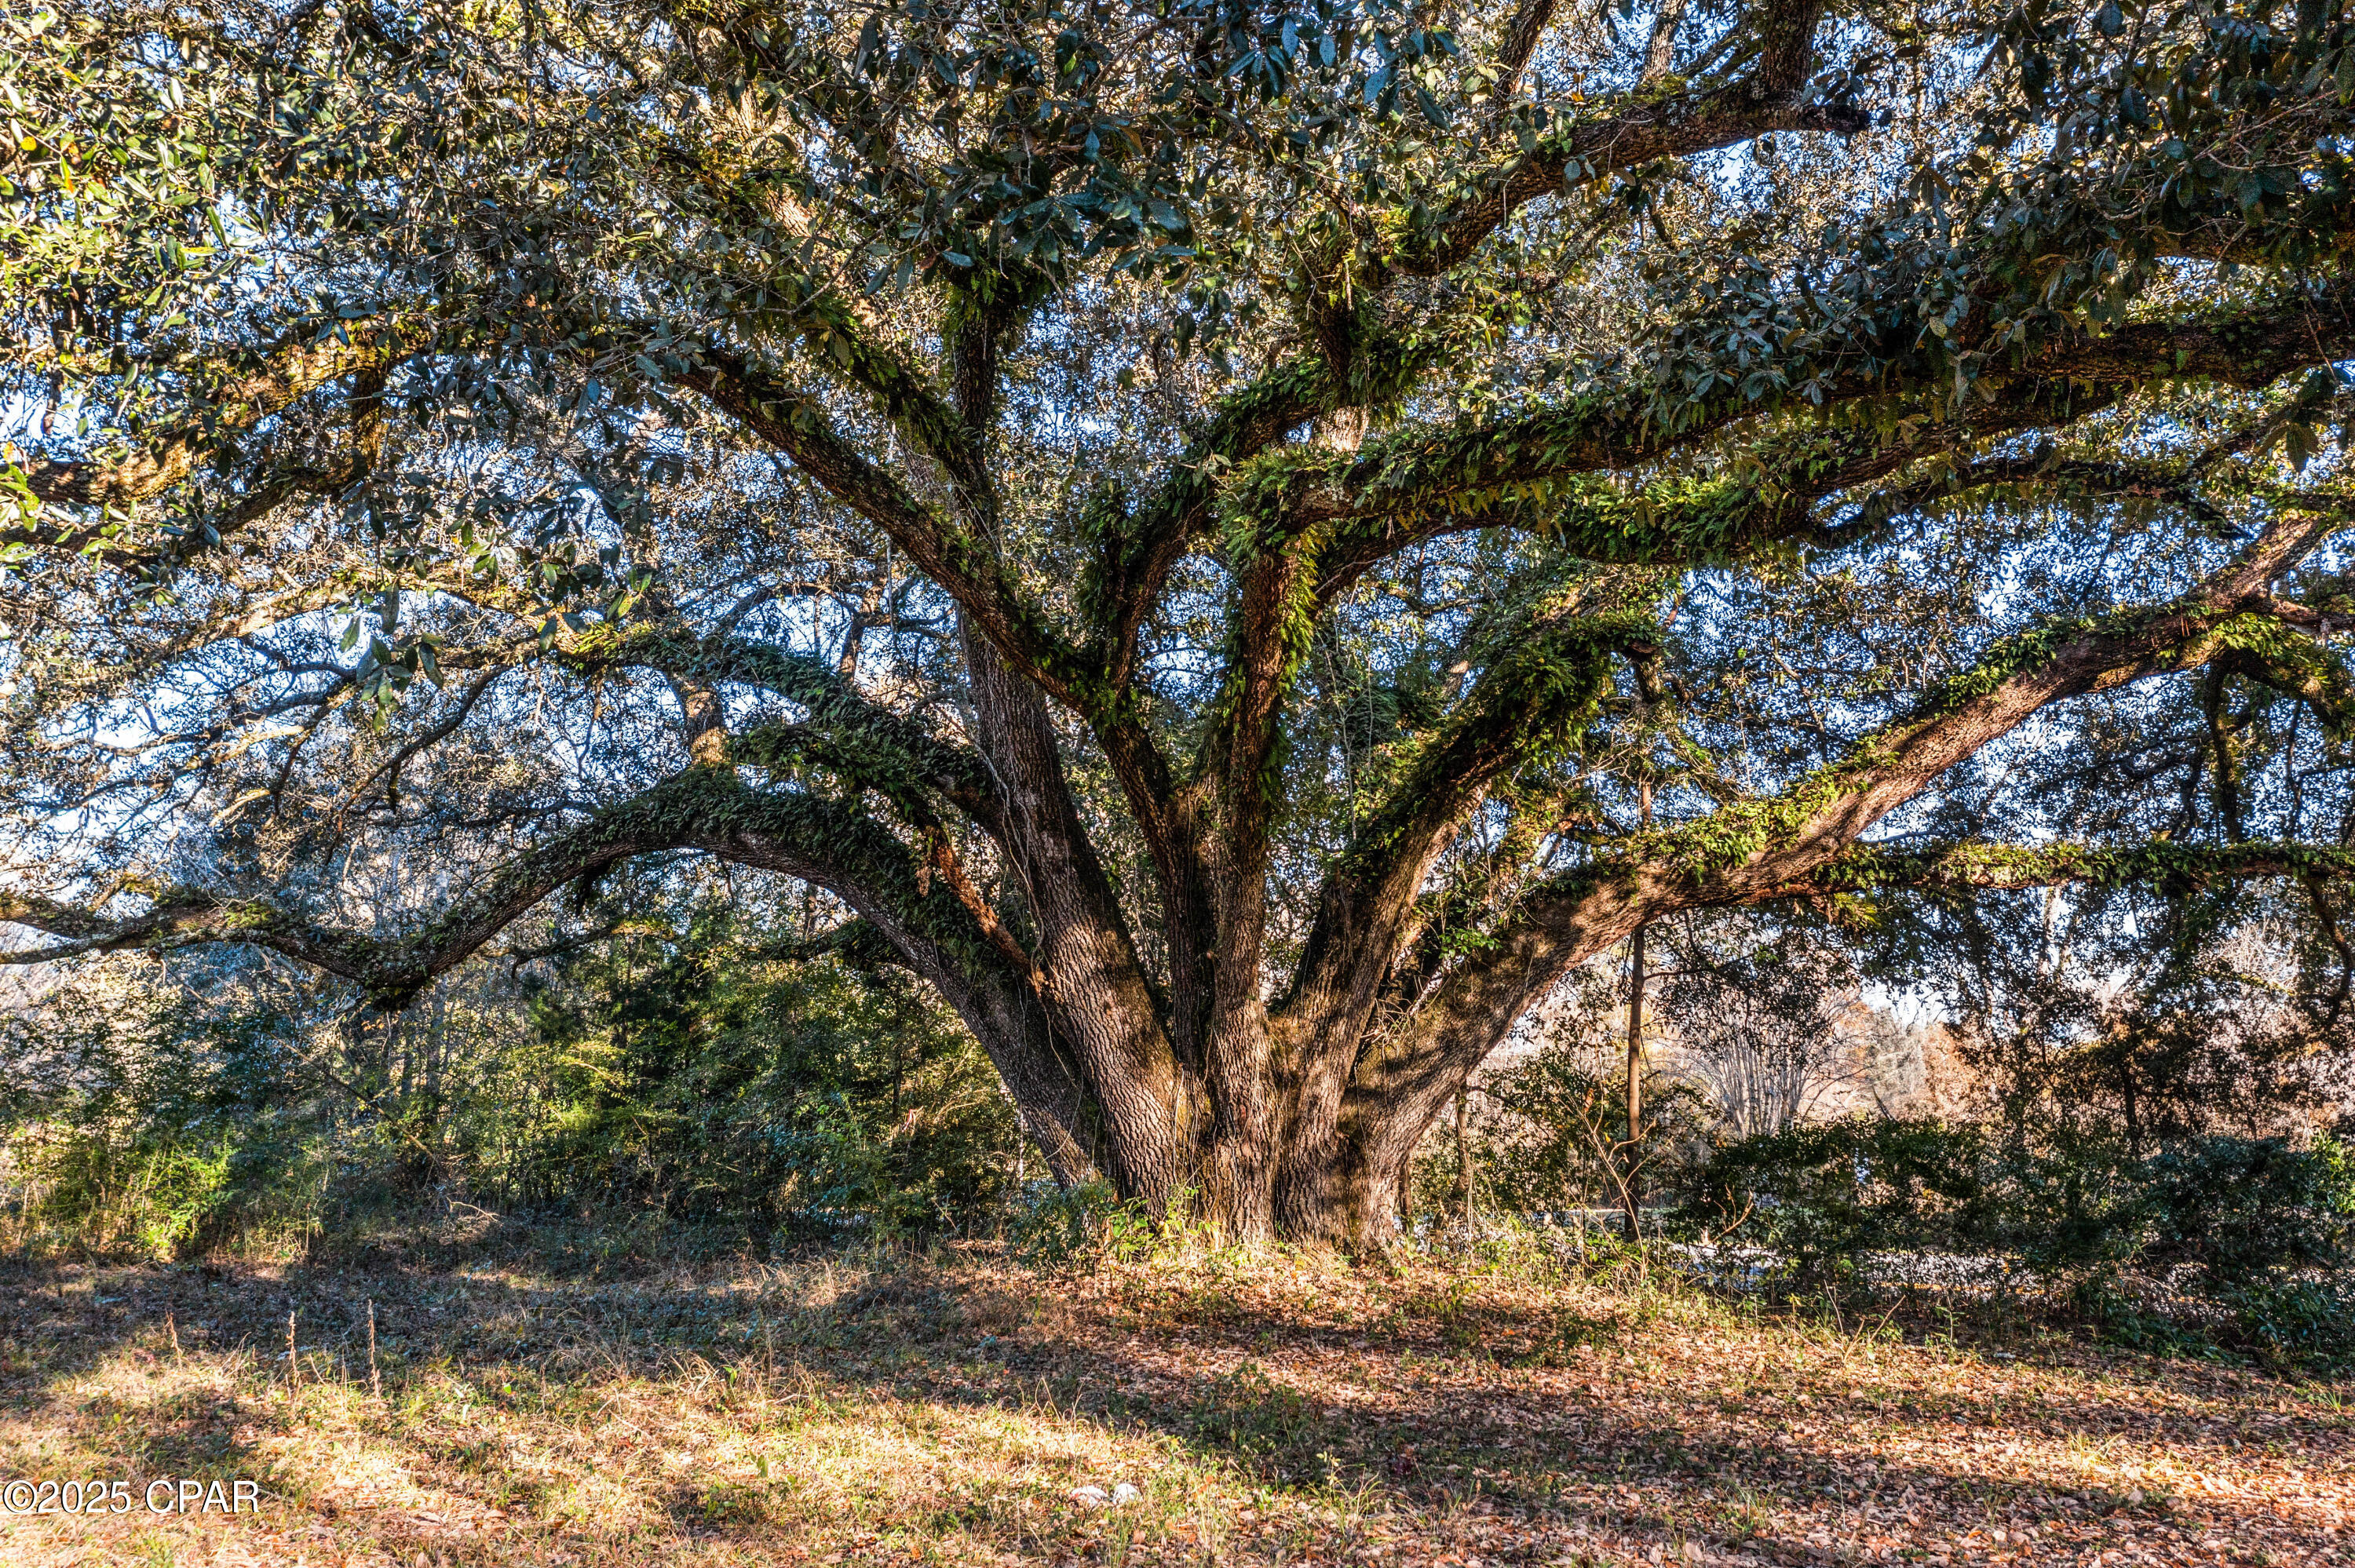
(529, 1405)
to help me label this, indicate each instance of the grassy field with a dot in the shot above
(525, 1406)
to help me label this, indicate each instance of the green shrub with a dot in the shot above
(1825, 1195)
(2070, 1207)
(804, 1093)
(1090, 1220)
(178, 1105)
(2292, 1319)
(2241, 1207)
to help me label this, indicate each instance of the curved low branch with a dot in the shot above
(698, 809)
(823, 841)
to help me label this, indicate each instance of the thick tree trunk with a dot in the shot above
(1352, 1205)
(1348, 1190)
(1096, 990)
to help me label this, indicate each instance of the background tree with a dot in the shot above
(1194, 524)
(2149, 1015)
(1760, 1023)
(1552, 1132)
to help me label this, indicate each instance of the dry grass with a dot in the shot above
(944, 1409)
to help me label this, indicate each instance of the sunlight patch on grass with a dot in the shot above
(883, 1410)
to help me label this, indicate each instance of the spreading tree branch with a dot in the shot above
(1744, 851)
(238, 397)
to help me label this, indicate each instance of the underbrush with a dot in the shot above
(2300, 1325)
(144, 1114)
(2202, 1246)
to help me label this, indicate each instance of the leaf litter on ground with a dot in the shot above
(953, 1406)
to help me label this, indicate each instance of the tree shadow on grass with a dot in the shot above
(1521, 1425)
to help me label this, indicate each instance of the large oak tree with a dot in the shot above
(1239, 541)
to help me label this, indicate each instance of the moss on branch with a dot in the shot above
(2160, 864)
